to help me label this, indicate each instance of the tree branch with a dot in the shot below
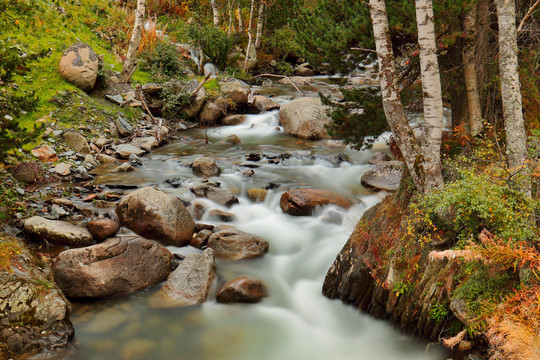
(529, 13)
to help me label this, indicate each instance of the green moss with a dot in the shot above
(9, 249)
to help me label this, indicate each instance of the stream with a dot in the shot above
(296, 321)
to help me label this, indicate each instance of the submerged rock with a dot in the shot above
(189, 284)
(302, 202)
(34, 312)
(385, 176)
(118, 266)
(233, 244)
(242, 290)
(379, 157)
(156, 215)
(57, 232)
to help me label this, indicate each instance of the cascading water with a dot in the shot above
(295, 321)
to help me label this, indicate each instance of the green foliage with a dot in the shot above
(477, 201)
(359, 119)
(402, 288)
(283, 41)
(13, 58)
(174, 98)
(439, 311)
(163, 61)
(215, 43)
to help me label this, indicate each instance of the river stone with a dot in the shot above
(216, 194)
(103, 229)
(45, 153)
(63, 169)
(34, 312)
(234, 91)
(57, 232)
(305, 118)
(26, 172)
(213, 111)
(235, 119)
(206, 167)
(262, 103)
(257, 195)
(200, 239)
(125, 150)
(123, 126)
(118, 266)
(385, 176)
(221, 215)
(378, 157)
(145, 143)
(197, 102)
(125, 167)
(107, 159)
(156, 215)
(76, 141)
(233, 244)
(297, 80)
(79, 65)
(232, 139)
(304, 70)
(189, 284)
(302, 202)
(243, 289)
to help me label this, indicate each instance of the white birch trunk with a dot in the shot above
(249, 35)
(215, 11)
(469, 70)
(432, 95)
(393, 108)
(230, 5)
(129, 64)
(240, 21)
(258, 37)
(516, 147)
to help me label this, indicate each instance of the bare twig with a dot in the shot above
(282, 76)
(529, 13)
(141, 99)
(360, 49)
(192, 95)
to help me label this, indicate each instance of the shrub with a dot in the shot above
(174, 98)
(162, 61)
(215, 43)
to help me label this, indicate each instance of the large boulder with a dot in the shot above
(243, 289)
(155, 215)
(235, 119)
(213, 111)
(262, 103)
(57, 232)
(206, 167)
(233, 244)
(197, 102)
(385, 176)
(302, 202)
(305, 118)
(34, 312)
(212, 191)
(189, 284)
(118, 266)
(304, 70)
(76, 141)
(236, 92)
(79, 65)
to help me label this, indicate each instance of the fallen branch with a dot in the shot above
(531, 10)
(192, 95)
(282, 76)
(140, 96)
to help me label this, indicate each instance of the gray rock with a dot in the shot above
(305, 118)
(196, 104)
(125, 167)
(124, 128)
(118, 266)
(57, 212)
(101, 142)
(242, 290)
(156, 215)
(213, 111)
(304, 70)
(189, 284)
(378, 157)
(79, 65)
(385, 176)
(216, 194)
(76, 141)
(206, 167)
(134, 160)
(232, 140)
(234, 91)
(57, 232)
(115, 99)
(233, 119)
(233, 244)
(145, 143)
(106, 159)
(125, 150)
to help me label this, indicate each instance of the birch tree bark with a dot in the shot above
(259, 25)
(249, 34)
(393, 108)
(129, 64)
(469, 69)
(215, 11)
(240, 21)
(432, 95)
(516, 147)
(230, 6)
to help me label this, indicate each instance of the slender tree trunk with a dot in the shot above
(249, 35)
(240, 21)
(393, 108)
(516, 147)
(432, 95)
(258, 37)
(129, 64)
(230, 5)
(215, 11)
(469, 70)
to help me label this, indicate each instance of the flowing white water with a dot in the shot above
(296, 321)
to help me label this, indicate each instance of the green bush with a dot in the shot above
(174, 98)
(283, 41)
(215, 43)
(163, 62)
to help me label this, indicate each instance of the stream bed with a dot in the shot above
(296, 321)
